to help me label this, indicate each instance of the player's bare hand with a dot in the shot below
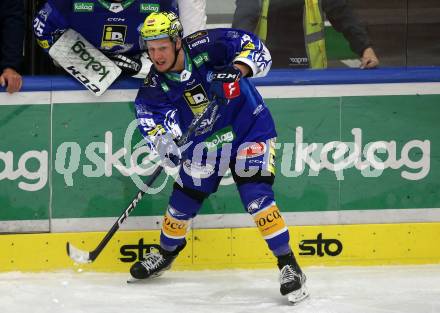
(369, 59)
(11, 79)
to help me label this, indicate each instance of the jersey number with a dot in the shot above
(38, 27)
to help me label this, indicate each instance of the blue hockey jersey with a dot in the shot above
(109, 26)
(167, 102)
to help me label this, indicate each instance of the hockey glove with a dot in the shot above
(168, 151)
(224, 84)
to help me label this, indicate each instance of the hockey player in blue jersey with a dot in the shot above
(111, 26)
(189, 73)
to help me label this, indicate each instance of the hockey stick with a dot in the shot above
(81, 256)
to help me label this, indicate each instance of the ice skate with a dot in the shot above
(292, 279)
(154, 263)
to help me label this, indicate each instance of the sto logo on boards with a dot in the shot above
(136, 252)
(320, 246)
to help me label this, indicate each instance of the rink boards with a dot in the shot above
(65, 176)
(331, 245)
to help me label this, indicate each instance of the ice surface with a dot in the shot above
(400, 289)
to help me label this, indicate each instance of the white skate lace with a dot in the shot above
(288, 274)
(152, 261)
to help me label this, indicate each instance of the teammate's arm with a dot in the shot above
(192, 14)
(48, 25)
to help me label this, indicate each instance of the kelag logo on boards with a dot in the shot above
(135, 252)
(320, 246)
(411, 159)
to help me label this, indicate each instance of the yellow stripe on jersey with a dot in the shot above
(271, 157)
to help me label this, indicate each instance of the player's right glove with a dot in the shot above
(224, 84)
(168, 150)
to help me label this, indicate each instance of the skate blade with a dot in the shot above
(298, 296)
(133, 280)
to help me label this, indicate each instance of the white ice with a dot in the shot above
(400, 289)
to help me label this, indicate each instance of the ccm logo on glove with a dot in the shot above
(224, 84)
(226, 77)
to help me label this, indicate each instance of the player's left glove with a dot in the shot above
(137, 66)
(168, 150)
(224, 84)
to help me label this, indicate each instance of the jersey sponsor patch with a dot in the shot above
(198, 42)
(83, 7)
(113, 35)
(249, 46)
(270, 222)
(200, 59)
(208, 123)
(43, 44)
(173, 227)
(218, 139)
(149, 7)
(196, 98)
(254, 150)
(197, 35)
